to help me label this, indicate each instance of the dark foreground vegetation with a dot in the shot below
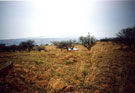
(23, 46)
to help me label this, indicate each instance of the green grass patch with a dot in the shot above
(38, 62)
(84, 72)
(68, 62)
(58, 74)
(81, 83)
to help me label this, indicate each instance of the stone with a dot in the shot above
(106, 85)
(41, 83)
(96, 91)
(32, 67)
(129, 88)
(60, 70)
(26, 70)
(68, 88)
(17, 83)
(5, 68)
(46, 75)
(18, 69)
(17, 65)
(30, 77)
(77, 82)
(57, 84)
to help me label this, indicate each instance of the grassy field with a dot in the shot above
(107, 68)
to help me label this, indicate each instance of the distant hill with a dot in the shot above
(38, 41)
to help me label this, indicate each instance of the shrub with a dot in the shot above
(13, 48)
(4, 48)
(84, 72)
(28, 45)
(81, 83)
(38, 62)
(39, 48)
(107, 39)
(64, 44)
(58, 74)
(126, 36)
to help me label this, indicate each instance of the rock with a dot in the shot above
(106, 85)
(44, 76)
(18, 69)
(68, 88)
(100, 57)
(30, 77)
(60, 70)
(77, 82)
(32, 67)
(41, 83)
(75, 60)
(17, 83)
(26, 70)
(65, 66)
(5, 68)
(129, 88)
(96, 91)
(17, 65)
(57, 84)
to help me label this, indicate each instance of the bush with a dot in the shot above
(64, 44)
(58, 74)
(84, 72)
(88, 41)
(38, 48)
(81, 83)
(4, 48)
(28, 45)
(126, 36)
(107, 39)
(38, 62)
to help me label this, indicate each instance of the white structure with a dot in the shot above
(74, 49)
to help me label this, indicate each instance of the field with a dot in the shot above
(106, 68)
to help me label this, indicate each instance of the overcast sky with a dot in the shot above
(65, 18)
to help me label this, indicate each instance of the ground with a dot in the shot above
(106, 68)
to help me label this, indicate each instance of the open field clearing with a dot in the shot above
(106, 68)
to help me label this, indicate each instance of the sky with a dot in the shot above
(65, 18)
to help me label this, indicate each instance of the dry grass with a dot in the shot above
(103, 69)
(53, 63)
(110, 68)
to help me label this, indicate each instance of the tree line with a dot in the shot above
(125, 36)
(23, 46)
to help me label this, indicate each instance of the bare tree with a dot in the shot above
(88, 41)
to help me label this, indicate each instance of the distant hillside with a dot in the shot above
(38, 41)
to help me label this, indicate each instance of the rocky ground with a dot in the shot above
(107, 68)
